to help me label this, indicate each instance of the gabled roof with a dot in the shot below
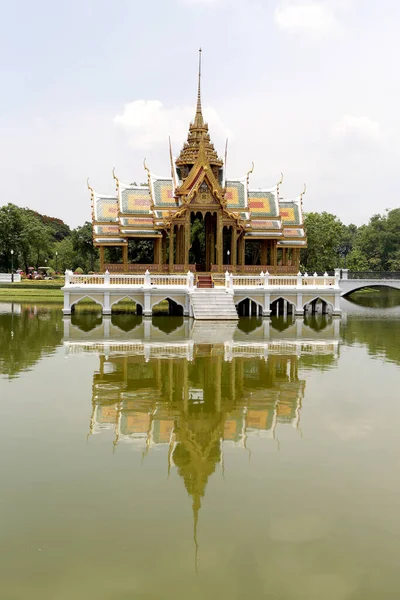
(134, 199)
(264, 203)
(105, 208)
(236, 194)
(291, 212)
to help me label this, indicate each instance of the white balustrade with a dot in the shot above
(228, 280)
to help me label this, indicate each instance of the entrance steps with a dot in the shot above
(204, 281)
(213, 305)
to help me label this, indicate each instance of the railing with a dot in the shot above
(145, 280)
(126, 279)
(373, 275)
(229, 281)
(168, 280)
(267, 280)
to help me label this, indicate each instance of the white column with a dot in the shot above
(106, 305)
(345, 273)
(186, 312)
(337, 309)
(147, 304)
(67, 308)
(227, 279)
(267, 302)
(299, 304)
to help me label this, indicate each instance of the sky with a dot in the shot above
(310, 88)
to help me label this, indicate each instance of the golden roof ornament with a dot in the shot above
(198, 131)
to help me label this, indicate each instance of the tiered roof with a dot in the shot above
(147, 210)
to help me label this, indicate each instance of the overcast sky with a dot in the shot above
(307, 87)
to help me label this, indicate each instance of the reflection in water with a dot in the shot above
(26, 334)
(87, 321)
(376, 297)
(197, 397)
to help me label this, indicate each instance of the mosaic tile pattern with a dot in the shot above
(106, 209)
(294, 232)
(135, 201)
(163, 193)
(265, 224)
(290, 213)
(106, 229)
(263, 204)
(235, 195)
(137, 221)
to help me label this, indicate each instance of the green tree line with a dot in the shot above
(41, 241)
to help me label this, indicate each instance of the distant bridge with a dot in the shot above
(350, 281)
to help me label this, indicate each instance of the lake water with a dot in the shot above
(166, 458)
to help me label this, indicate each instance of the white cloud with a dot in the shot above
(147, 123)
(316, 17)
(359, 128)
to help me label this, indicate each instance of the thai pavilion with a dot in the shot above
(197, 218)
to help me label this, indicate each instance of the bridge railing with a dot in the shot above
(229, 281)
(144, 280)
(373, 275)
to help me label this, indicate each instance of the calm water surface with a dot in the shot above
(161, 458)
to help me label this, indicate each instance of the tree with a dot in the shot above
(325, 233)
(66, 258)
(12, 227)
(82, 242)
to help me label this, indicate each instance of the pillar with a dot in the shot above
(220, 246)
(234, 248)
(241, 251)
(171, 248)
(125, 257)
(158, 252)
(164, 248)
(101, 259)
(187, 242)
(274, 251)
(263, 253)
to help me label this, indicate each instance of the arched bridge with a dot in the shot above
(350, 281)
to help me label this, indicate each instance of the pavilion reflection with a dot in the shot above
(197, 398)
(199, 395)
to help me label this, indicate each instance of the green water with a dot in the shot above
(161, 458)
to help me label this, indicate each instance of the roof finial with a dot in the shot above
(199, 114)
(302, 193)
(173, 174)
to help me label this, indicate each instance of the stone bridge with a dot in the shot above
(350, 281)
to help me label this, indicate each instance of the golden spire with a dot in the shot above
(198, 130)
(198, 120)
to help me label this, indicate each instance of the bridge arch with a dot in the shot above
(76, 301)
(248, 307)
(353, 285)
(139, 303)
(326, 305)
(277, 306)
(175, 307)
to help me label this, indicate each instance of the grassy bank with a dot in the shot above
(32, 291)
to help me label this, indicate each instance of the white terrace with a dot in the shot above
(230, 296)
